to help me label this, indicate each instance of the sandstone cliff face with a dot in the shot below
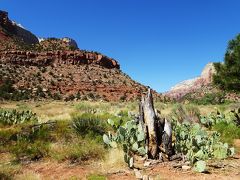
(188, 86)
(77, 57)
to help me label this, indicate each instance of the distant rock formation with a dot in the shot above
(71, 42)
(54, 44)
(191, 85)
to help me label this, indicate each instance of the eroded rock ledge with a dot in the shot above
(76, 57)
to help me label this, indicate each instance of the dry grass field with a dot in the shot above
(67, 153)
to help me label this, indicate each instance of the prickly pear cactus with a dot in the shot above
(11, 117)
(131, 137)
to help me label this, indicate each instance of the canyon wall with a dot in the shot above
(76, 57)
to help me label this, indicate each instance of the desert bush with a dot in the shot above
(8, 92)
(71, 97)
(123, 98)
(26, 150)
(6, 135)
(40, 92)
(57, 96)
(6, 88)
(90, 123)
(210, 98)
(63, 131)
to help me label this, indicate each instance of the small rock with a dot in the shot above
(147, 163)
(145, 177)
(151, 178)
(186, 167)
(138, 174)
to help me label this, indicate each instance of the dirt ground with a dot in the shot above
(50, 170)
(222, 169)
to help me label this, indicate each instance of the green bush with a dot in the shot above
(6, 89)
(228, 73)
(90, 123)
(211, 98)
(8, 92)
(25, 150)
(6, 135)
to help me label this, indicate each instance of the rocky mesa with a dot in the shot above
(51, 68)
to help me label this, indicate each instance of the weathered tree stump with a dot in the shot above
(158, 131)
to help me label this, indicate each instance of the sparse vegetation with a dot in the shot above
(79, 138)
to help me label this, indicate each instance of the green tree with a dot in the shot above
(228, 73)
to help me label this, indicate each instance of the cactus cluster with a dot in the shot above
(132, 138)
(199, 144)
(11, 117)
(216, 117)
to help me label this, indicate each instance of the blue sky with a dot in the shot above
(157, 42)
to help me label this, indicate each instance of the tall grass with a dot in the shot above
(189, 113)
(77, 140)
(80, 150)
